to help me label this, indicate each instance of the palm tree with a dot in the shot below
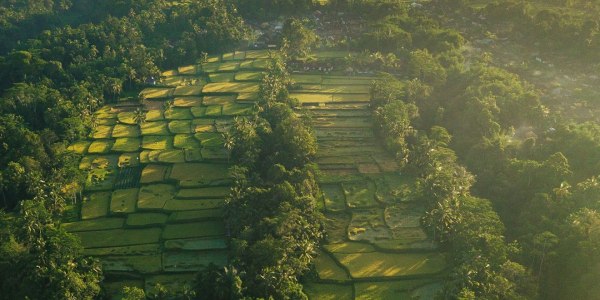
(139, 116)
(229, 143)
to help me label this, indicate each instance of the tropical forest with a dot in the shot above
(300, 149)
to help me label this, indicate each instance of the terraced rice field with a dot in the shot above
(375, 247)
(154, 194)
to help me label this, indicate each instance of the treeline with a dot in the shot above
(271, 215)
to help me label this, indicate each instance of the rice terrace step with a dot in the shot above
(156, 185)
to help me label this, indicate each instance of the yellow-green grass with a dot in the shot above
(221, 77)
(100, 179)
(193, 155)
(388, 290)
(131, 159)
(333, 196)
(218, 99)
(198, 111)
(307, 79)
(261, 63)
(195, 215)
(155, 196)
(359, 194)
(368, 225)
(187, 101)
(229, 66)
(328, 269)
(248, 76)
(247, 65)
(95, 224)
(207, 192)
(127, 117)
(405, 239)
(203, 125)
(187, 261)
(126, 144)
(102, 132)
(187, 70)
(213, 111)
(154, 115)
(109, 122)
(223, 125)
(328, 291)
(171, 156)
(157, 93)
(154, 173)
(340, 133)
(139, 263)
(351, 98)
(349, 248)
(123, 201)
(168, 73)
(214, 153)
(312, 97)
(210, 67)
(195, 204)
(173, 80)
(146, 219)
(379, 264)
(192, 90)
(210, 139)
(186, 141)
(149, 156)
(180, 126)
(355, 81)
(122, 130)
(79, 147)
(235, 109)
(253, 54)
(157, 142)
(105, 112)
(332, 54)
(247, 97)
(231, 87)
(144, 249)
(193, 230)
(335, 225)
(95, 205)
(178, 113)
(155, 128)
(196, 244)
(237, 55)
(349, 88)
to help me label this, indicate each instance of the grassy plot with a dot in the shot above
(100, 146)
(95, 205)
(171, 156)
(192, 155)
(203, 125)
(102, 132)
(149, 156)
(193, 230)
(187, 101)
(79, 147)
(146, 219)
(119, 237)
(187, 70)
(335, 225)
(349, 248)
(154, 115)
(235, 109)
(157, 93)
(123, 201)
(196, 215)
(155, 128)
(359, 194)
(180, 126)
(353, 122)
(95, 224)
(126, 144)
(196, 244)
(328, 269)
(333, 196)
(154, 173)
(178, 113)
(121, 130)
(231, 87)
(218, 99)
(378, 264)
(368, 225)
(199, 174)
(129, 159)
(207, 192)
(247, 97)
(213, 111)
(157, 142)
(248, 76)
(176, 283)
(191, 90)
(210, 139)
(198, 111)
(140, 263)
(196, 204)
(155, 196)
(388, 290)
(261, 63)
(253, 54)
(144, 249)
(307, 79)
(127, 117)
(221, 77)
(186, 141)
(328, 291)
(307, 98)
(179, 261)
